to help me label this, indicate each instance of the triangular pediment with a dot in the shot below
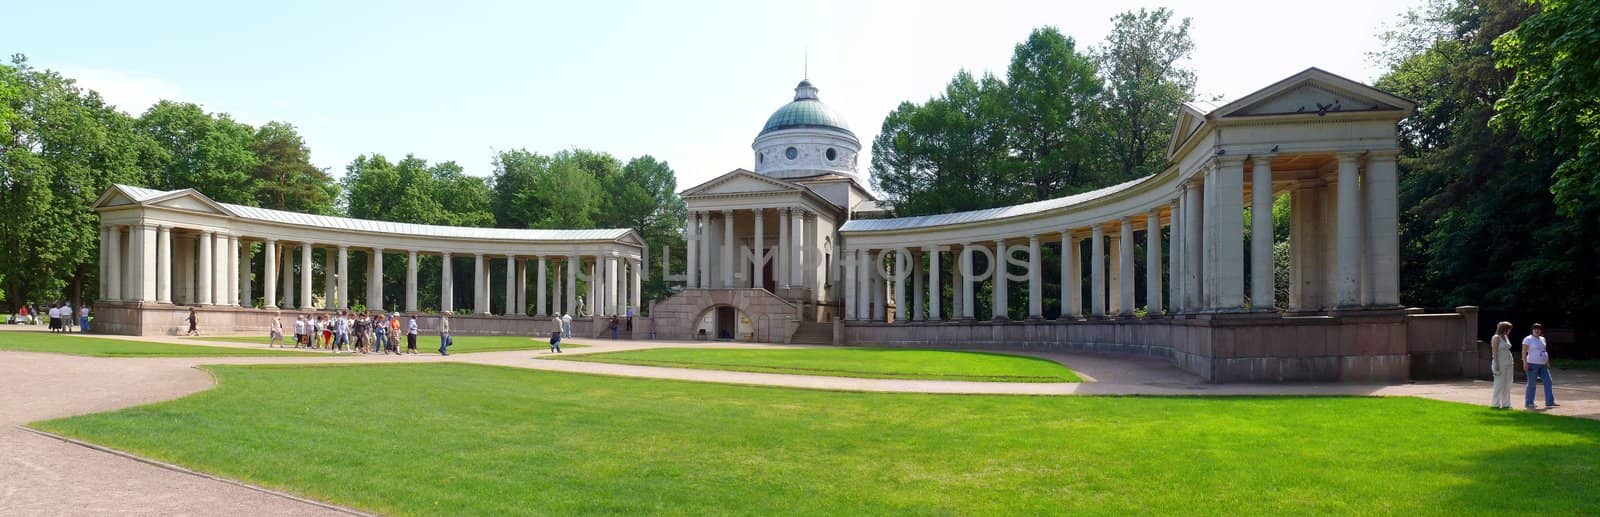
(1314, 91)
(741, 181)
(115, 198)
(188, 200)
(1189, 119)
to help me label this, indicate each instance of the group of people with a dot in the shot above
(352, 332)
(62, 318)
(1535, 363)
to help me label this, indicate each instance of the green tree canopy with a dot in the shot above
(284, 176)
(208, 152)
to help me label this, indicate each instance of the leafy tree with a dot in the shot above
(210, 153)
(1051, 90)
(948, 154)
(284, 176)
(1142, 63)
(1555, 97)
(62, 147)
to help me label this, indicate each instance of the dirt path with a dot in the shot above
(40, 475)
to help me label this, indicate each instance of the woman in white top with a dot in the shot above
(1536, 361)
(1501, 366)
(275, 332)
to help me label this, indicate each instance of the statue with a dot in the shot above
(582, 309)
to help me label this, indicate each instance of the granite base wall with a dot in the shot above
(1351, 346)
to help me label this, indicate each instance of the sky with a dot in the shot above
(687, 82)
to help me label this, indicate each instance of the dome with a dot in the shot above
(806, 111)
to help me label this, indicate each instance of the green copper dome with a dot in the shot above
(805, 112)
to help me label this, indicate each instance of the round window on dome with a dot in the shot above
(832, 155)
(791, 152)
(761, 158)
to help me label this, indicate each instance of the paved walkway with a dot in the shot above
(43, 476)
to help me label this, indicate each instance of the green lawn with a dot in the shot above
(467, 439)
(77, 344)
(463, 344)
(871, 363)
(1578, 364)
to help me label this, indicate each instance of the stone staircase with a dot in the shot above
(812, 333)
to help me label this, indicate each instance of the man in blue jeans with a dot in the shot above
(1536, 361)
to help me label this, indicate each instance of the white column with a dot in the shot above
(375, 280)
(572, 283)
(219, 270)
(478, 297)
(1035, 280)
(1114, 273)
(691, 237)
(147, 263)
(539, 283)
(1176, 254)
(902, 312)
(1261, 274)
(1229, 234)
(808, 252)
(1126, 272)
(758, 245)
(447, 287)
(705, 251)
(164, 264)
(411, 280)
(1097, 271)
(636, 279)
(782, 253)
(245, 294)
(233, 270)
(207, 260)
(727, 249)
(797, 229)
(964, 290)
(269, 274)
(1349, 233)
(287, 263)
(917, 294)
(511, 286)
(1193, 224)
(344, 277)
(879, 290)
(1383, 241)
(852, 305)
(612, 277)
(305, 274)
(104, 261)
(1001, 289)
(555, 290)
(521, 307)
(864, 276)
(1152, 261)
(934, 292)
(1071, 276)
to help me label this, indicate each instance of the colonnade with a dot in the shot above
(716, 252)
(153, 263)
(1343, 241)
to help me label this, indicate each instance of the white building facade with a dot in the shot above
(1160, 265)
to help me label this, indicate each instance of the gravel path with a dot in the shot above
(40, 475)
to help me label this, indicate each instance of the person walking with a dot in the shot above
(1502, 366)
(1536, 361)
(194, 323)
(380, 330)
(83, 319)
(444, 333)
(555, 337)
(275, 332)
(394, 332)
(341, 332)
(615, 323)
(411, 335)
(566, 325)
(66, 317)
(55, 319)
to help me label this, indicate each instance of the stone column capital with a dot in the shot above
(1261, 160)
(1347, 156)
(1228, 160)
(760, 213)
(727, 212)
(1383, 154)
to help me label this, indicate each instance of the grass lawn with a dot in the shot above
(469, 439)
(870, 363)
(76, 344)
(463, 344)
(1578, 364)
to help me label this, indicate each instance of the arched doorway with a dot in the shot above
(724, 322)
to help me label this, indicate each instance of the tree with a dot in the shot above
(62, 147)
(948, 154)
(284, 176)
(1555, 96)
(1051, 90)
(1142, 63)
(210, 153)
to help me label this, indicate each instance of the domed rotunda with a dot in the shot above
(805, 138)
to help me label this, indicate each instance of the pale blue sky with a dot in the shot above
(688, 82)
